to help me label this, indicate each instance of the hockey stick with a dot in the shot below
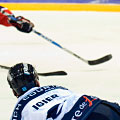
(41, 74)
(90, 62)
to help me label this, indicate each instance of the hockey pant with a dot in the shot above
(105, 111)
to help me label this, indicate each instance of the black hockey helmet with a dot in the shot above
(21, 77)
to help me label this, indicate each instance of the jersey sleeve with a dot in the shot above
(3, 18)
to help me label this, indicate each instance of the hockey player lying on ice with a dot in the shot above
(22, 24)
(53, 102)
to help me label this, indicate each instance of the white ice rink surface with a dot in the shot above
(89, 34)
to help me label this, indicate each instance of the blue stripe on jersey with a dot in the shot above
(53, 112)
(82, 108)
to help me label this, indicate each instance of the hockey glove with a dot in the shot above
(22, 24)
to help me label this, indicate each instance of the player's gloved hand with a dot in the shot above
(22, 24)
(4, 13)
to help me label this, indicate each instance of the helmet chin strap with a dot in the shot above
(37, 83)
(15, 94)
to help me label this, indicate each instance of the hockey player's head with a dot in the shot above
(22, 77)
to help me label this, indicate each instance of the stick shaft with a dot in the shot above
(58, 45)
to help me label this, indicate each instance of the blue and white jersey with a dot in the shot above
(51, 103)
(40, 100)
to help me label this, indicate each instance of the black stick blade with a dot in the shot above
(100, 60)
(53, 73)
(41, 74)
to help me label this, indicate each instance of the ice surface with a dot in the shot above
(89, 34)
